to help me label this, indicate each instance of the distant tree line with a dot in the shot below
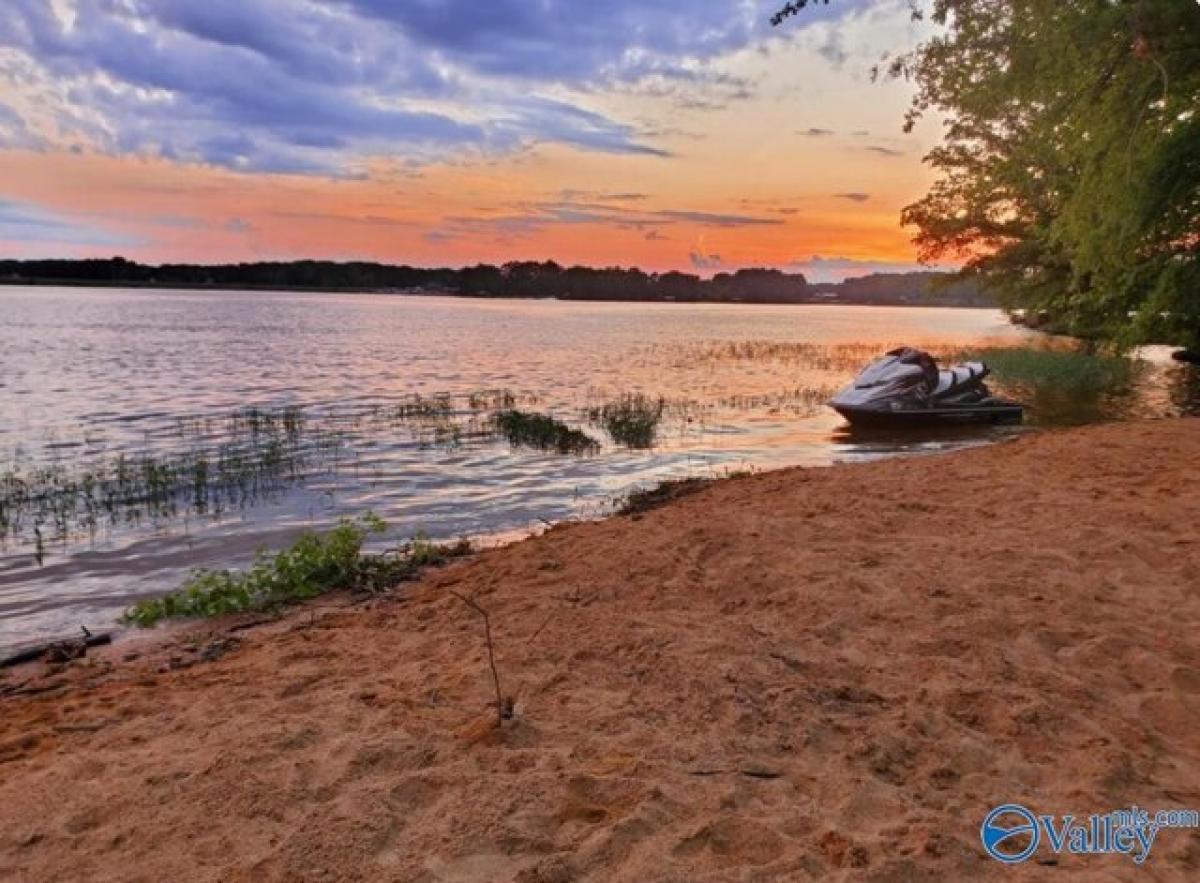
(537, 279)
(939, 289)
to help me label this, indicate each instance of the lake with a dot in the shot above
(145, 432)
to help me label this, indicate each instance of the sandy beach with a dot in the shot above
(810, 674)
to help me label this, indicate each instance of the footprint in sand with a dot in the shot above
(733, 841)
(594, 799)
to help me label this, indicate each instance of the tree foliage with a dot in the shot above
(1070, 167)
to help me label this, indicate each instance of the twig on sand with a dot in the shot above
(538, 630)
(503, 707)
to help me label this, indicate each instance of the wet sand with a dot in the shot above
(826, 674)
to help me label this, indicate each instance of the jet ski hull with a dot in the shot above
(905, 388)
(903, 418)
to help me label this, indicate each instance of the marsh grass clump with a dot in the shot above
(316, 563)
(131, 489)
(528, 429)
(235, 460)
(1067, 372)
(631, 420)
(417, 406)
(644, 499)
(255, 421)
(498, 399)
(839, 357)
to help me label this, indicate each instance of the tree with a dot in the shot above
(1070, 167)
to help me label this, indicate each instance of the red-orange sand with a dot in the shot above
(825, 674)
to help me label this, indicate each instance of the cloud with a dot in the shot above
(543, 119)
(14, 133)
(572, 195)
(817, 133)
(525, 218)
(318, 86)
(702, 261)
(27, 223)
(691, 89)
(178, 222)
(884, 151)
(836, 269)
(853, 197)
(832, 49)
(710, 219)
(339, 219)
(655, 236)
(569, 42)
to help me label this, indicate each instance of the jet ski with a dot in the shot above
(906, 388)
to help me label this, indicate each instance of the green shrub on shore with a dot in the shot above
(314, 564)
(528, 429)
(632, 420)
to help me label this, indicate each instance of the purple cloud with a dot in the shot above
(310, 86)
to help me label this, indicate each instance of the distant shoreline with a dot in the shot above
(402, 292)
(537, 280)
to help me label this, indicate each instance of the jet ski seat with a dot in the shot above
(952, 381)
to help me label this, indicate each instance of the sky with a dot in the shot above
(666, 134)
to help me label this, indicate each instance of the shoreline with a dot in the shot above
(398, 292)
(803, 673)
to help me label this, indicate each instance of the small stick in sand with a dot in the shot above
(538, 630)
(503, 708)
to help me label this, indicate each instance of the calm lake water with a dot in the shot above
(144, 433)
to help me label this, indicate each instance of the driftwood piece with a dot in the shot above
(58, 651)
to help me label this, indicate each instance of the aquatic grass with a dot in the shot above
(287, 421)
(641, 500)
(631, 420)
(235, 460)
(838, 357)
(801, 401)
(418, 406)
(132, 488)
(1067, 372)
(498, 399)
(529, 429)
(316, 563)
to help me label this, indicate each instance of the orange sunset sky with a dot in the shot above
(664, 134)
